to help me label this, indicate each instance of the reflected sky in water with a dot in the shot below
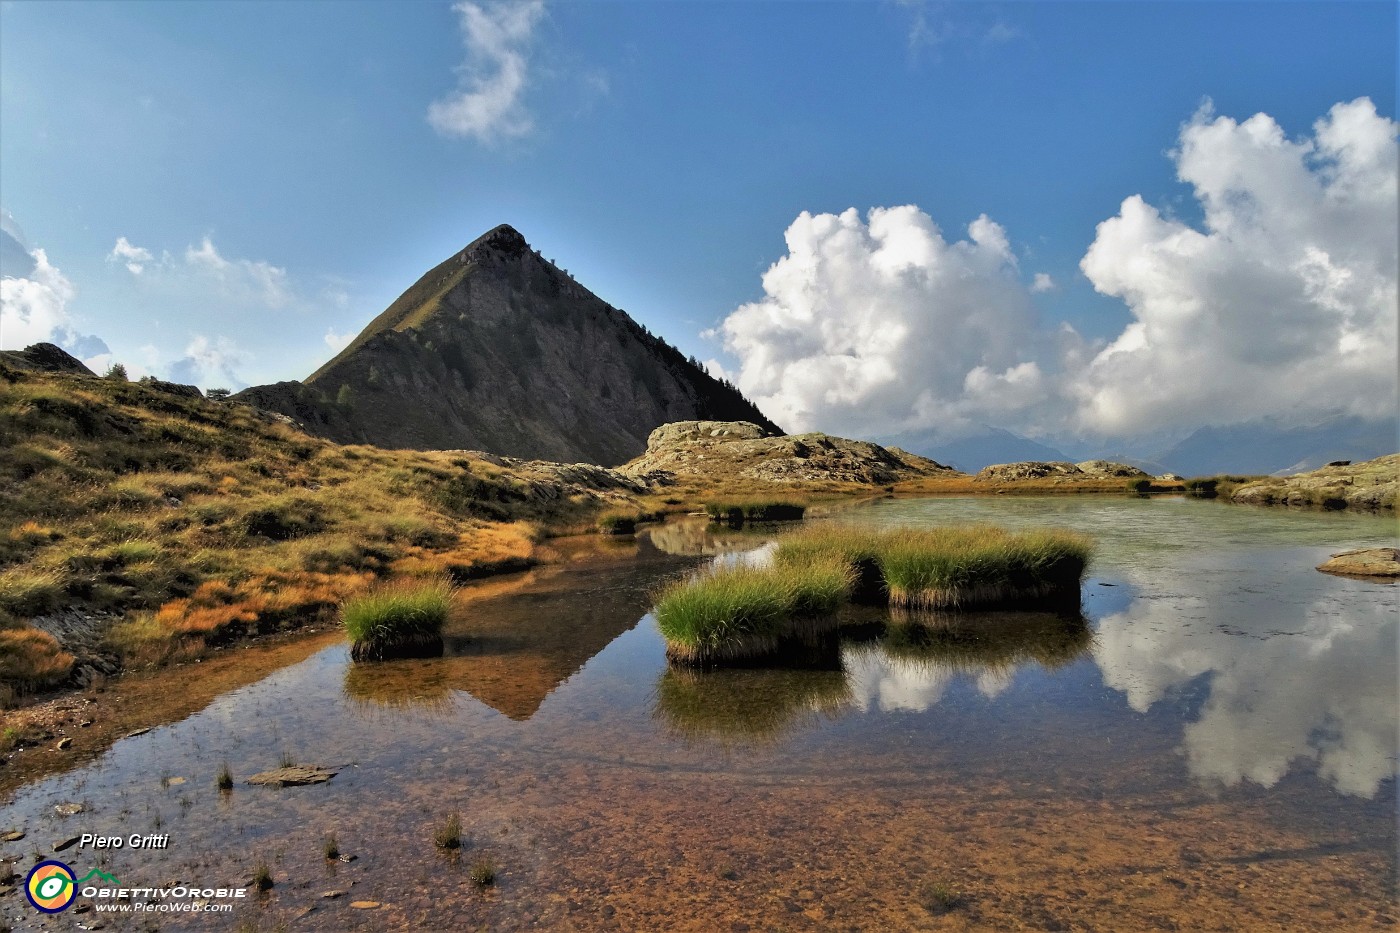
(1212, 666)
(1215, 613)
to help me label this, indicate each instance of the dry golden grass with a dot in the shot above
(200, 522)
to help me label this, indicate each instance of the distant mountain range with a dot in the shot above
(497, 349)
(971, 452)
(1265, 446)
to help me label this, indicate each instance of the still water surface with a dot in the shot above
(1211, 746)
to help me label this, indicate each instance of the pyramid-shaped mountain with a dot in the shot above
(497, 349)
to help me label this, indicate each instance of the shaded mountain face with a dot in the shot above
(1266, 447)
(497, 349)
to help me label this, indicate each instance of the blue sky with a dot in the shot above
(283, 157)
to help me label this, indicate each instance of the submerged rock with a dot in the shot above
(293, 776)
(1364, 562)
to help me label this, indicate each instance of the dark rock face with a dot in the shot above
(496, 349)
(45, 357)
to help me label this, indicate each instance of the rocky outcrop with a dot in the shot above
(45, 357)
(1056, 469)
(1372, 486)
(498, 349)
(1364, 562)
(1109, 468)
(717, 450)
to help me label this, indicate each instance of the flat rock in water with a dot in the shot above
(295, 776)
(13, 835)
(1364, 562)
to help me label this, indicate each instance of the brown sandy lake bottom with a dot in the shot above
(1211, 746)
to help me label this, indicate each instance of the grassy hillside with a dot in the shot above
(150, 525)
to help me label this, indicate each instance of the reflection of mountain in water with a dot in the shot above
(1300, 667)
(903, 661)
(511, 651)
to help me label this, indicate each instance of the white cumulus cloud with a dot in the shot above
(1283, 304)
(135, 257)
(248, 279)
(210, 362)
(879, 326)
(338, 342)
(488, 104)
(34, 309)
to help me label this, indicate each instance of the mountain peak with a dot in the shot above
(503, 239)
(497, 349)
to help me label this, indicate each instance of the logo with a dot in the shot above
(51, 886)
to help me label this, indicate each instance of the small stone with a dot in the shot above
(347, 857)
(65, 743)
(68, 843)
(365, 905)
(330, 895)
(82, 908)
(68, 809)
(132, 735)
(85, 723)
(13, 835)
(175, 780)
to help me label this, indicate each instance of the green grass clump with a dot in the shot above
(736, 513)
(745, 612)
(734, 612)
(394, 619)
(262, 876)
(448, 835)
(980, 566)
(483, 872)
(390, 611)
(940, 897)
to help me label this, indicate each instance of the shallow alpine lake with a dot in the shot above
(1212, 745)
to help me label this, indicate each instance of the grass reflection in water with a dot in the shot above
(751, 706)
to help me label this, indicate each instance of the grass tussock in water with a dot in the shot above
(403, 619)
(981, 566)
(746, 612)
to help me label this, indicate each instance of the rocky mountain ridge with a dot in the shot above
(498, 349)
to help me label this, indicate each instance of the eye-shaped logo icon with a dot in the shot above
(50, 887)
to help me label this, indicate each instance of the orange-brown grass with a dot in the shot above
(31, 660)
(197, 522)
